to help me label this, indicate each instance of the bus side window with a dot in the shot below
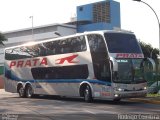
(66, 46)
(83, 46)
(99, 55)
(50, 50)
(78, 44)
(57, 47)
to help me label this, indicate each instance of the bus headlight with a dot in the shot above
(145, 88)
(120, 89)
(116, 95)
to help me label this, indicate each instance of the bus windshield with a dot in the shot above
(130, 71)
(122, 43)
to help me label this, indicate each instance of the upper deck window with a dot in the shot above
(63, 46)
(122, 43)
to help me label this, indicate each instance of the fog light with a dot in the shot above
(145, 88)
(116, 95)
(119, 89)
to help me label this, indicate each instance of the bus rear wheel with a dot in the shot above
(117, 99)
(88, 94)
(29, 91)
(21, 91)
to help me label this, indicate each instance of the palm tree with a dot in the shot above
(2, 39)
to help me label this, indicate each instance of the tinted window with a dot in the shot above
(17, 53)
(99, 55)
(97, 44)
(122, 43)
(69, 45)
(63, 72)
(130, 70)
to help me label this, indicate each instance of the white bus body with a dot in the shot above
(82, 65)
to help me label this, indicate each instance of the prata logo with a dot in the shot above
(129, 55)
(29, 63)
(41, 62)
(69, 59)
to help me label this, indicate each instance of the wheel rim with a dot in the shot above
(86, 96)
(29, 92)
(21, 92)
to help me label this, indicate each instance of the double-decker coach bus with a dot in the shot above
(98, 64)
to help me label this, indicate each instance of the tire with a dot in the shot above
(117, 99)
(29, 91)
(21, 91)
(88, 94)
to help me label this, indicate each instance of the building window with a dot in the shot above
(101, 12)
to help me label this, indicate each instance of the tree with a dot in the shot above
(149, 51)
(2, 39)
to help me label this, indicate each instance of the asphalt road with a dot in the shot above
(57, 108)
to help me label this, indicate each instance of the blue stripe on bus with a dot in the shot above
(74, 81)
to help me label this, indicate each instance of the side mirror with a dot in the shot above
(153, 64)
(149, 62)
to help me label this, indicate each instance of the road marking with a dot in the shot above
(88, 111)
(100, 112)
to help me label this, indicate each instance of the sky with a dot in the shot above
(135, 16)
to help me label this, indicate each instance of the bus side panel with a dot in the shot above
(70, 87)
(10, 86)
(64, 89)
(11, 78)
(58, 88)
(57, 79)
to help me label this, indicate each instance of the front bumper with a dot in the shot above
(130, 94)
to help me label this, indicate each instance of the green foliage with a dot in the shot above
(149, 51)
(2, 38)
(153, 95)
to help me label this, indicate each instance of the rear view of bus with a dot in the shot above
(128, 65)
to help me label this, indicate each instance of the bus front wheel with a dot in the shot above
(88, 94)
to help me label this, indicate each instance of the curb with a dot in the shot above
(145, 100)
